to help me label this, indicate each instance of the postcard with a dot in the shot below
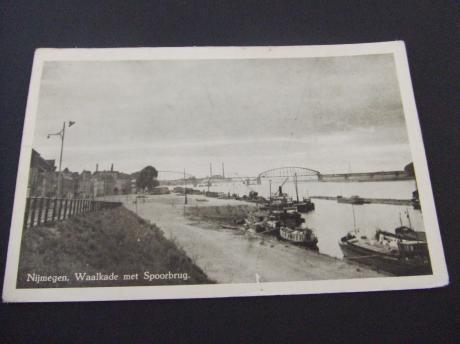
(199, 172)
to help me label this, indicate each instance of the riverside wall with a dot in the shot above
(366, 176)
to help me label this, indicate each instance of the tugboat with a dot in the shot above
(286, 224)
(403, 253)
(279, 202)
(292, 228)
(254, 197)
(299, 235)
(257, 221)
(272, 220)
(282, 201)
(304, 206)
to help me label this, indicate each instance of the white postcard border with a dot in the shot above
(439, 277)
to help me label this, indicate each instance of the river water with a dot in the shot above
(332, 220)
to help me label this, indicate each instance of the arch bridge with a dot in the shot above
(289, 171)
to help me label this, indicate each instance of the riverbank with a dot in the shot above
(390, 201)
(227, 255)
(106, 248)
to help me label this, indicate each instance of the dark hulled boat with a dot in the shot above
(282, 201)
(299, 235)
(403, 253)
(304, 206)
(293, 229)
(286, 224)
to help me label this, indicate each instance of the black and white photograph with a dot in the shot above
(213, 172)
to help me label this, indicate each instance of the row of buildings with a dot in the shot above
(43, 181)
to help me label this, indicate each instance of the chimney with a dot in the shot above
(223, 170)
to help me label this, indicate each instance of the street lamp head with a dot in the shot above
(71, 123)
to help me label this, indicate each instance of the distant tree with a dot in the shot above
(146, 180)
(193, 181)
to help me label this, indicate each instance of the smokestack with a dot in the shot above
(97, 167)
(111, 168)
(223, 170)
(210, 169)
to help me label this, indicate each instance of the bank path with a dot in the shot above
(232, 256)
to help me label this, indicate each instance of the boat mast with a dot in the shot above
(185, 191)
(408, 218)
(354, 216)
(210, 175)
(296, 190)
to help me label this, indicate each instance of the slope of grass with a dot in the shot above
(114, 240)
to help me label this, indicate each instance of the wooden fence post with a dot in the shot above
(26, 213)
(32, 215)
(53, 213)
(65, 209)
(40, 209)
(60, 209)
(47, 207)
(69, 208)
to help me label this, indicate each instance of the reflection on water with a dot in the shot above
(332, 220)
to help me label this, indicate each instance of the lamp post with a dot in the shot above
(61, 134)
(185, 189)
(270, 190)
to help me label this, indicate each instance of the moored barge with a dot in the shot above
(299, 235)
(403, 253)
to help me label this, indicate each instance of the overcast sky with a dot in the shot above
(330, 114)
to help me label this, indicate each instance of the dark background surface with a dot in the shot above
(431, 32)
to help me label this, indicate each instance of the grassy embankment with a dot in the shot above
(114, 240)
